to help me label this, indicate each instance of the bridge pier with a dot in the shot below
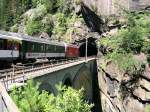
(83, 79)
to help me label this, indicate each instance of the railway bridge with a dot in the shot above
(77, 73)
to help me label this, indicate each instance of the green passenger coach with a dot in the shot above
(33, 48)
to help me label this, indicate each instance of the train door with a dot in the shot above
(2, 49)
(13, 49)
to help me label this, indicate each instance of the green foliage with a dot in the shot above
(131, 40)
(68, 100)
(29, 99)
(37, 13)
(77, 2)
(64, 26)
(10, 12)
(124, 60)
(14, 28)
(144, 23)
(48, 24)
(33, 27)
(47, 3)
(60, 25)
(55, 17)
(112, 42)
(59, 3)
(147, 109)
(146, 47)
(65, 6)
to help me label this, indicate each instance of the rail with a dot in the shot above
(7, 104)
(18, 73)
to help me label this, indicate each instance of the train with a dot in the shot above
(15, 47)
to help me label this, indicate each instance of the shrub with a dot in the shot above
(131, 40)
(60, 25)
(147, 109)
(47, 3)
(14, 28)
(29, 99)
(112, 42)
(77, 2)
(125, 61)
(33, 27)
(37, 13)
(48, 24)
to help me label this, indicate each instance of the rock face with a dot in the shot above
(122, 92)
(111, 7)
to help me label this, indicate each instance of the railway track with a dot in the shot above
(18, 71)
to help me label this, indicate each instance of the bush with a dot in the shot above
(48, 24)
(146, 47)
(147, 109)
(29, 99)
(131, 40)
(60, 25)
(14, 28)
(125, 61)
(37, 13)
(77, 2)
(33, 27)
(47, 3)
(112, 42)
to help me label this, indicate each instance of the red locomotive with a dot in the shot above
(72, 51)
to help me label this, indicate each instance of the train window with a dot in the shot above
(1, 44)
(14, 46)
(47, 47)
(55, 48)
(9, 44)
(42, 47)
(32, 47)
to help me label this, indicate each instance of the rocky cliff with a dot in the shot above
(122, 92)
(112, 7)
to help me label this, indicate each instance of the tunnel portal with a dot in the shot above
(91, 48)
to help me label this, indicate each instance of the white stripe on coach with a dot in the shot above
(42, 55)
(9, 53)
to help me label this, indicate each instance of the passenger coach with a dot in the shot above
(23, 48)
(9, 47)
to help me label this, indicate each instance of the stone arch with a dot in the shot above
(47, 87)
(67, 80)
(84, 79)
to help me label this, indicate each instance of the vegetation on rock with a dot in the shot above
(56, 18)
(129, 41)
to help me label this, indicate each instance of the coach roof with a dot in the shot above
(18, 36)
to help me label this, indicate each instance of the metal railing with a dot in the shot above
(6, 103)
(18, 73)
(9, 76)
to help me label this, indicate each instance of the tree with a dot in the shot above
(29, 99)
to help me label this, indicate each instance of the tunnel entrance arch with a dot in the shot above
(91, 48)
